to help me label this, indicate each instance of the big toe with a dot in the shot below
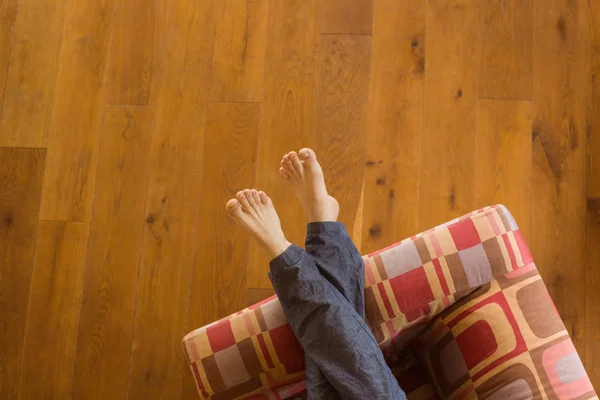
(233, 208)
(308, 156)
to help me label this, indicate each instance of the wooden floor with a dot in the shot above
(126, 125)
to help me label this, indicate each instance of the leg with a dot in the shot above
(327, 242)
(338, 261)
(332, 333)
(254, 211)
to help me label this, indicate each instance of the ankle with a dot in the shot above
(276, 248)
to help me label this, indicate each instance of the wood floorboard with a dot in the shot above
(345, 16)
(503, 158)
(593, 203)
(558, 194)
(125, 126)
(254, 296)
(8, 16)
(73, 139)
(592, 316)
(105, 328)
(239, 50)
(393, 146)
(232, 132)
(172, 204)
(53, 312)
(131, 66)
(287, 121)
(507, 42)
(593, 126)
(342, 94)
(32, 72)
(21, 178)
(446, 187)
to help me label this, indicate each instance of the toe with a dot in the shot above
(285, 164)
(233, 208)
(255, 196)
(283, 173)
(249, 197)
(307, 155)
(296, 161)
(264, 198)
(289, 166)
(241, 197)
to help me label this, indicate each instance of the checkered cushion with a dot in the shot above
(253, 354)
(503, 341)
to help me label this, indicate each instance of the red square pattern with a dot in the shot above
(464, 234)
(476, 343)
(411, 289)
(220, 336)
(288, 350)
(520, 347)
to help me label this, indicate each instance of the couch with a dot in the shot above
(459, 311)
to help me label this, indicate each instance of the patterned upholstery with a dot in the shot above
(503, 341)
(420, 291)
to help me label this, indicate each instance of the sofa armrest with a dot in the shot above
(409, 283)
(504, 340)
(248, 352)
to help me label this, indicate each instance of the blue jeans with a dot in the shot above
(321, 291)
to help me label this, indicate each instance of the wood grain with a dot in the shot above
(53, 313)
(254, 296)
(173, 198)
(592, 316)
(395, 118)
(105, 329)
(503, 158)
(31, 76)
(8, 15)
(131, 65)
(221, 246)
(450, 114)
(77, 112)
(239, 50)
(593, 127)
(345, 16)
(507, 41)
(21, 177)
(559, 147)
(341, 127)
(287, 116)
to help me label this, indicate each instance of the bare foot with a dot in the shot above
(254, 211)
(305, 176)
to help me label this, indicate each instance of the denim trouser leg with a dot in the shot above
(334, 336)
(338, 261)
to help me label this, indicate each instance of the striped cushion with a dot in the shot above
(253, 353)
